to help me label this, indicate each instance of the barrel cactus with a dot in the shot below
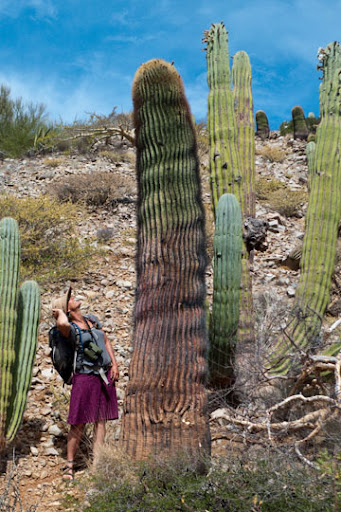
(226, 290)
(262, 124)
(322, 219)
(165, 405)
(19, 320)
(300, 128)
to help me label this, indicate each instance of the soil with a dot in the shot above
(108, 291)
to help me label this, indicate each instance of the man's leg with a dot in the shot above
(99, 436)
(73, 440)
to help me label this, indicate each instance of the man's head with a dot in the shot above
(62, 302)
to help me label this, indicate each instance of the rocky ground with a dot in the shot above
(108, 290)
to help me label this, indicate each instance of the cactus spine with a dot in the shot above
(19, 319)
(299, 124)
(165, 405)
(323, 214)
(262, 123)
(226, 289)
(310, 152)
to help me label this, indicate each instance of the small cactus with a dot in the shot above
(299, 124)
(19, 320)
(228, 245)
(262, 124)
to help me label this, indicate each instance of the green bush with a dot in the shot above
(265, 187)
(20, 124)
(50, 246)
(268, 484)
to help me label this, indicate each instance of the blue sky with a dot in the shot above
(80, 56)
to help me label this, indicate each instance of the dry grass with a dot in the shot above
(116, 157)
(272, 153)
(288, 202)
(265, 187)
(279, 197)
(53, 162)
(96, 189)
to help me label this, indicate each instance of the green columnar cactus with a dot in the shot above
(19, 319)
(243, 104)
(221, 121)
(231, 140)
(323, 215)
(262, 123)
(228, 245)
(299, 124)
(165, 405)
(310, 152)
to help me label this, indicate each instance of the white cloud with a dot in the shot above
(69, 103)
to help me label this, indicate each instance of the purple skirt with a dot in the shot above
(92, 400)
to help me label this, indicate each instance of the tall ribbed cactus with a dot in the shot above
(323, 215)
(19, 319)
(221, 120)
(226, 290)
(299, 123)
(165, 405)
(231, 140)
(262, 124)
(243, 105)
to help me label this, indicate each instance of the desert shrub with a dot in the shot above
(238, 484)
(20, 124)
(117, 156)
(50, 246)
(288, 202)
(265, 187)
(53, 162)
(96, 189)
(272, 153)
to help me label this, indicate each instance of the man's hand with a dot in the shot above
(57, 312)
(114, 373)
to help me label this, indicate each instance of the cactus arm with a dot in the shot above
(25, 349)
(226, 289)
(165, 402)
(222, 129)
(323, 215)
(9, 277)
(243, 104)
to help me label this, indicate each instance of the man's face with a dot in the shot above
(73, 304)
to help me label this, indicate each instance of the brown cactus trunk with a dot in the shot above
(165, 406)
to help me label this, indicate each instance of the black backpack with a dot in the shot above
(63, 354)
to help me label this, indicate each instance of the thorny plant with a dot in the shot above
(11, 499)
(312, 402)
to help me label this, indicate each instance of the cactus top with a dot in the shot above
(330, 88)
(152, 75)
(219, 73)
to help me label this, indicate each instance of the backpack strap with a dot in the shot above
(79, 343)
